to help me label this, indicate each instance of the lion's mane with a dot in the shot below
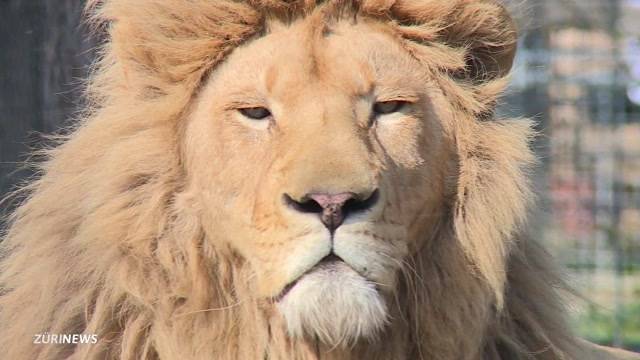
(106, 243)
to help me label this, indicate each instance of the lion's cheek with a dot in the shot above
(400, 139)
(375, 252)
(278, 258)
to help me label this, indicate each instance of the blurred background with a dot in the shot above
(577, 73)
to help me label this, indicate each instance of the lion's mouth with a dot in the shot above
(328, 261)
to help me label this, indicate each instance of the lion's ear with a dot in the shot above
(479, 36)
(160, 47)
(488, 32)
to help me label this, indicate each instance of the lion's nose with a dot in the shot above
(333, 208)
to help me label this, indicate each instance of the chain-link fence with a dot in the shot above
(578, 74)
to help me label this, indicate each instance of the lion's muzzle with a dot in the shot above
(334, 208)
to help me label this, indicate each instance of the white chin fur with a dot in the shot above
(334, 303)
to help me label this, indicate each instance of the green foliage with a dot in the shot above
(599, 325)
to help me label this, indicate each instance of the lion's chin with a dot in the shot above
(335, 304)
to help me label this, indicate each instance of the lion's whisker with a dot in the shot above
(223, 308)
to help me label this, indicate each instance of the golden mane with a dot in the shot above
(106, 244)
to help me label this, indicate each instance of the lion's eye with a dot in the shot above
(255, 113)
(388, 107)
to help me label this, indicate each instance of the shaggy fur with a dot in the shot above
(112, 239)
(322, 287)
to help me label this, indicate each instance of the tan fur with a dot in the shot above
(159, 223)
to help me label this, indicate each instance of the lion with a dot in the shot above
(300, 179)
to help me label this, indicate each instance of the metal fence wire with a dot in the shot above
(578, 74)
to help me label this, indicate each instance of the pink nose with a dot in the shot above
(333, 208)
(333, 213)
(331, 201)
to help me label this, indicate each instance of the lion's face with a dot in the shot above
(317, 156)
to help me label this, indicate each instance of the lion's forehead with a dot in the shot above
(350, 60)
